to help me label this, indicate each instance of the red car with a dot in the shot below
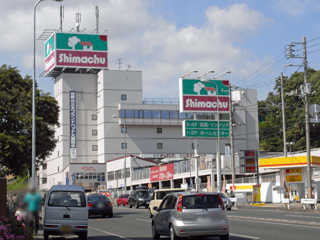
(123, 199)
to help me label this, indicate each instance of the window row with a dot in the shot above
(114, 175)
(166, 114)
(96, 177)
(124, 145)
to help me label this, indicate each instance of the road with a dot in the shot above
(245, 223)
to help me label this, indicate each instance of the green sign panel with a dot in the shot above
(205, 129)
(210, 88)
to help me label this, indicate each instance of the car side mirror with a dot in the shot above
(155, 208)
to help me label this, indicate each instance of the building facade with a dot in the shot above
(111, 119)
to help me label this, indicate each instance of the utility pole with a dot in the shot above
(231, 138)
(306, 99)
(283, 118)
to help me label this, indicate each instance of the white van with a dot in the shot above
(65, 212)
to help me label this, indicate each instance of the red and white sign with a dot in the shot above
(49, 62)
(69, 58)
(161, 173)
(88, 169)
(205, 103)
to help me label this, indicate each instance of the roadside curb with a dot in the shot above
(276, 220)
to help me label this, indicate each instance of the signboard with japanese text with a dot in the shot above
(162, 172)
(294, 178)
(198, 96)
(75, 50)
(294, 170)
(73, 125)
(205, 129)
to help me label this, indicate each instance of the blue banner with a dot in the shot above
(73, 125)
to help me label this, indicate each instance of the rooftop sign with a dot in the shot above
(75, 50)
(198, 96)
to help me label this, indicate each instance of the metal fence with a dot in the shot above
(161, 101)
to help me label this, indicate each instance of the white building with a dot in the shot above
(110, 99)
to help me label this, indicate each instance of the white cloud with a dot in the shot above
(294, 8)
(147, 42)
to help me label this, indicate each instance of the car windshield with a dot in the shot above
(142, 194)
(223, 195)
(203, 201)
(67, 199)
(125, 196)
(97, 198)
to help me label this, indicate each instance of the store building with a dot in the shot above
(103, 116)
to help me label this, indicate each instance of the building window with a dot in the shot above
(147, 114)
(123, 130)
(44, 166)
(159, 146)
(159, 130)
(94, 132)
(94, 117)
(123, 97)
(174, 114)
(156, 114)
(94, 147)
(94, 161)
(122, 113)
(140, 113)
(124, 145)
(165, 115)
(130, 114)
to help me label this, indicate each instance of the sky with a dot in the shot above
(166, 39)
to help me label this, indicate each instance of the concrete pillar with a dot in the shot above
(184, 180)
(160, 185)
(213, 173)
(171, 183)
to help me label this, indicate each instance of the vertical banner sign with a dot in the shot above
(73, 130)
(72, 179)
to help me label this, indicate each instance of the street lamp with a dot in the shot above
(205, 74)
(33, 184)
(221, 74)
(125, 155)
(218, 120)
(188, 74)
(68, 144)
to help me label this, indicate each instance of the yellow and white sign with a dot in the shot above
(294, 170)
(294, 178)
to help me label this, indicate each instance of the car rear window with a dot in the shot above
(125, 196)
(97, 198)
(223, 195)
(162, 194)
(203, 201)
(67, 199)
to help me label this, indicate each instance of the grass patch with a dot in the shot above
(19, 184)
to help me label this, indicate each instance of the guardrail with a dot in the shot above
(311, 202)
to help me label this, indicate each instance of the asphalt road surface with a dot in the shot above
(245, 223)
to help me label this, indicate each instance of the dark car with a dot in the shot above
(139, 197)
(99, 205)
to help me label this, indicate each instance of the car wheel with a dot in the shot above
(224, 237)
(45, 235)
(137, 205)
(229, 209)
(130, 206)
(150, 214)
(155, 234)
(83, 236)
(173, 235)
(146, 206)
(118, 204)
(111, 215)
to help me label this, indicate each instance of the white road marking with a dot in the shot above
(244, 236)
(112, 234)
(301, 216)
(144, 220)
(277, 223)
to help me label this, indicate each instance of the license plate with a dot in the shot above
(65, 228)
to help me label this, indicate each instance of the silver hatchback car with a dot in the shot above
(190, 214)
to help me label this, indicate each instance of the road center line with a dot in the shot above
(276, 223)
(301, 216)
(112, 234)
(144, 220)
(243, 236)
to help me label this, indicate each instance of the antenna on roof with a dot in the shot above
(97, 19)
(129, 67)
(61, 17)
(119, 60)
(78, 21)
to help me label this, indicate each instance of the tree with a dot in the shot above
(270, 129)
(16, 122)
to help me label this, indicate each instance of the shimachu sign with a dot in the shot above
(75, 50)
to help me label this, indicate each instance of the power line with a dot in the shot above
(313, 39)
